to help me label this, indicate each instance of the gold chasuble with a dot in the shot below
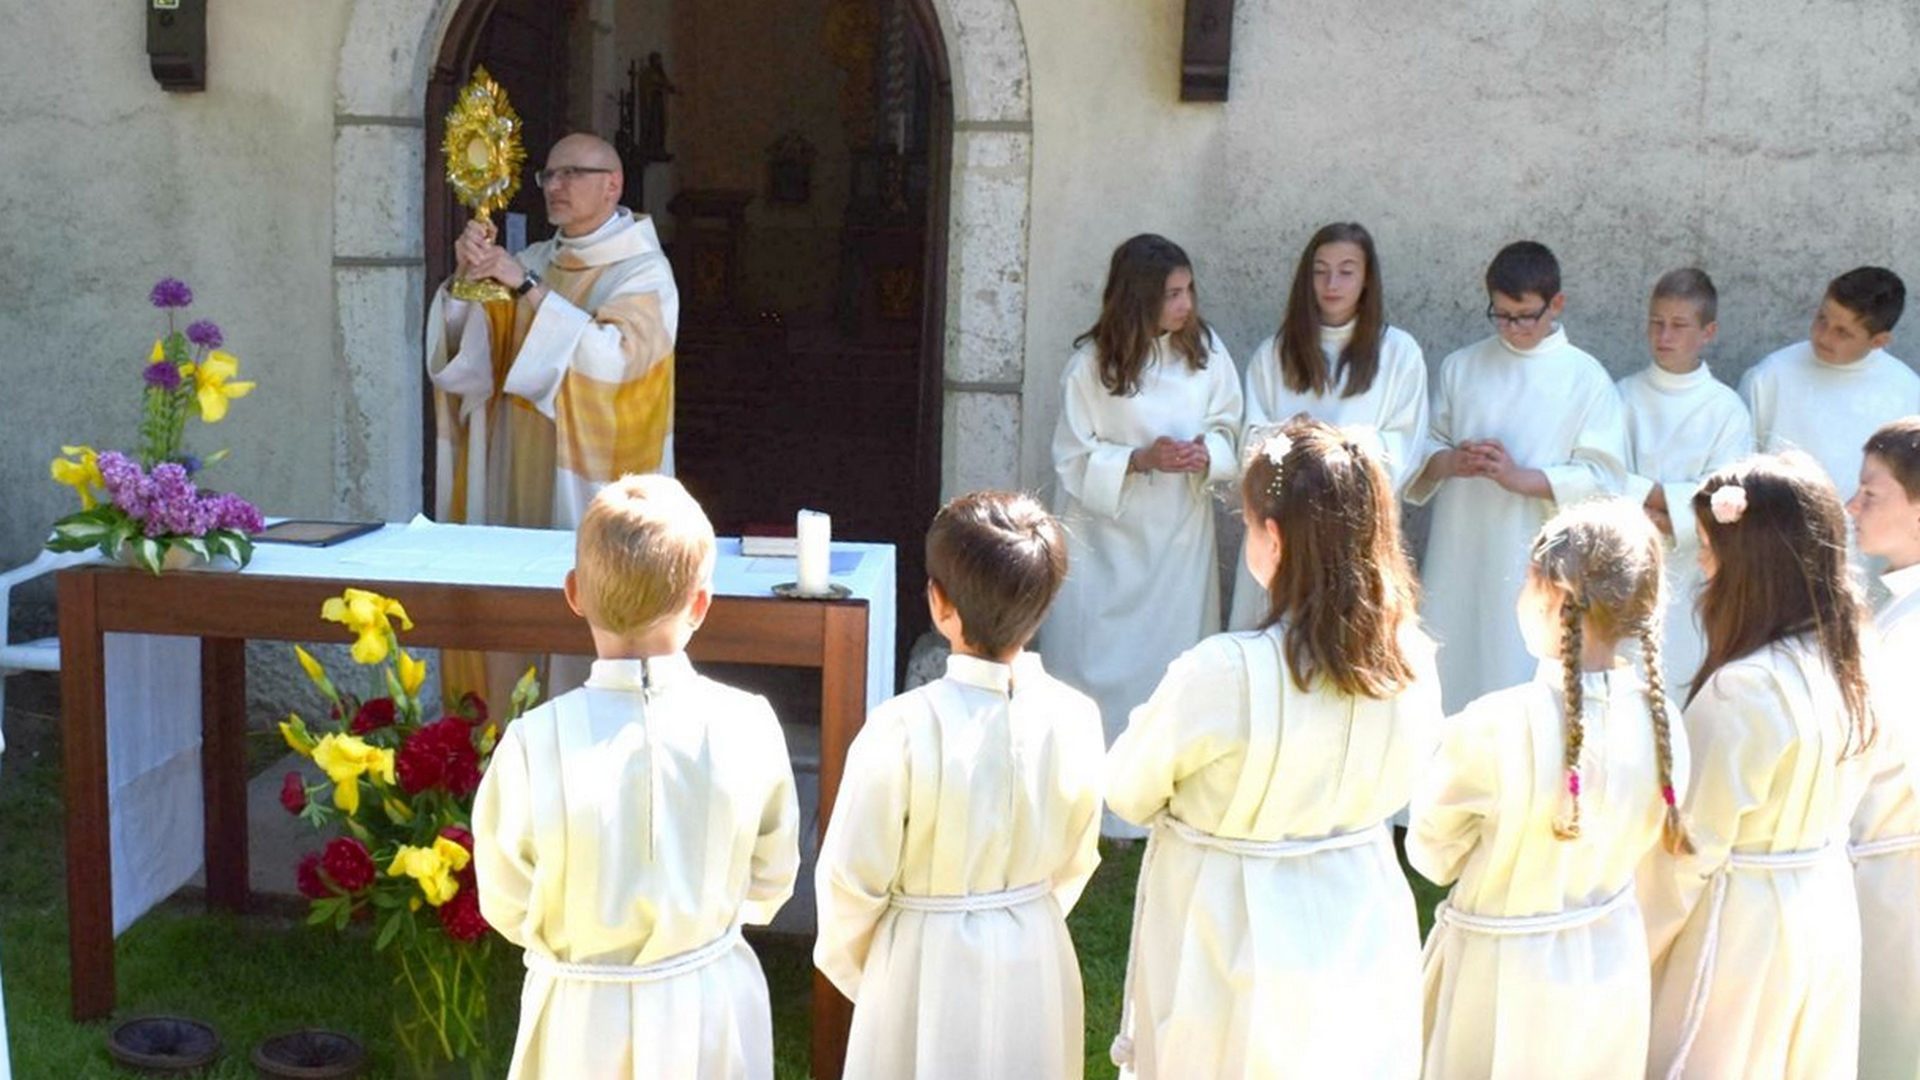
(535, 410)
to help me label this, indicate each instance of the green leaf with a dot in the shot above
(197, 545)
(148, 552)
(78, 532)
(388, 928)
(322, 911)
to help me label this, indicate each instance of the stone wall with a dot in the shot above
(1771, 144)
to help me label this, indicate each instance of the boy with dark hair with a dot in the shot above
(1827, 394)
(1522, 423)
(967, 823)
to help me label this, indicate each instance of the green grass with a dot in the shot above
(260, 974)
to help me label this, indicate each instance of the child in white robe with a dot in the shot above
(1827, 394)
(1755, 935)
(1274, 933)
(1149, 422)
(1542, 802)
(967, 823)
(1886, 828)
(1522, 423)
(625, 830)
(1682, 423)
(1336, 359)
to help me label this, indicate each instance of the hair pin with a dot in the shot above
(1728, 503)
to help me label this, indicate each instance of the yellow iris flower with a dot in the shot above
(368, 615)
(432, 867)
(214, 385)
(413, 673)
(294, 730)
(82, 474)
(346, 758)
(159, 351)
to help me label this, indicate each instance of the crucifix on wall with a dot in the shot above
(642, 138)
(1206, 50)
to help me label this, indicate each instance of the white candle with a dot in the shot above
(815, 531)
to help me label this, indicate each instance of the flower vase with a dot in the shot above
(442, 1026)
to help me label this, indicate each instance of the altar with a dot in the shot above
(465, 587)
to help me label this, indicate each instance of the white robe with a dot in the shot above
(980, 782)
(1827, 410)
(1679, 429)
(1555, 409)
(1391, 415)
(1307, 965)
(1888, 881)
(1563, 1003)
(1756, 971)
(1143, 574)
(639, 818)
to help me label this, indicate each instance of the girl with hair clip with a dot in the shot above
(1336, 359)
(1755, 933)
(1541, 804)
(1274, 932)
(1150, 419)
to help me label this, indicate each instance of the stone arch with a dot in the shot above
(379, 268)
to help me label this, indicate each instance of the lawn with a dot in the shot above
(260, 974)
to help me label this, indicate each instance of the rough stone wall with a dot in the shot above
(1771, 144)
(110, 183)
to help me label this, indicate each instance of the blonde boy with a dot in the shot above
(967, 824)
(625, 830)
(1827, 394)
(1682, 424)
(1522, 423)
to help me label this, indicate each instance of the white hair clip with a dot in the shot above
(1728, 503)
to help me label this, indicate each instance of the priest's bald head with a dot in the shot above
(582, 183)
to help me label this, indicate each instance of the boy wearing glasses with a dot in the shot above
(542, 399)
(1827, 394)
(1522, 423)
(1682, 424)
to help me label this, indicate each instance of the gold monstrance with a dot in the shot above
(484, 158)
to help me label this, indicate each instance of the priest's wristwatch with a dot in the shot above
(527, 284)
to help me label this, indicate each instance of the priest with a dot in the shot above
(541, 399)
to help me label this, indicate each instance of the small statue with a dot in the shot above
(653, 86)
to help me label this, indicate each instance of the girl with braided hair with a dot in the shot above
(1756, 934)
(1541, 804)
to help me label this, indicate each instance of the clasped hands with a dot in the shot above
(476, 257)
(1489, 458)
(1168, 454)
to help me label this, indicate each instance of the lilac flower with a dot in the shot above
(205, 333)
(163, 374)
(123, 481)
(228, 511)
(171, 293)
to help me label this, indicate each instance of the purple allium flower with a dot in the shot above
(205, 333)
(164, 374)
(170, 293)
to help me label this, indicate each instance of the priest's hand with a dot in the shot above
(470, 247)
(495, 263)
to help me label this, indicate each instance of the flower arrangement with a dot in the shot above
(152, 507)
(401, 788)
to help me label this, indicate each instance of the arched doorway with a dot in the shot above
(804, 208)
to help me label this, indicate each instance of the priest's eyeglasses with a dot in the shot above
(564, 174)
(1525, 318)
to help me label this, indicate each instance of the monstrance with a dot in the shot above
(484, 158)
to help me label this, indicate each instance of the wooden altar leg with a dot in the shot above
(223, 770)
(843, 709)
(83, 707)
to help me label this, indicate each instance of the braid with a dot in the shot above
(1567, 827)
(1673, 832)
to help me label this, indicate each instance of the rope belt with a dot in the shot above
(1749, 862)
(1517, 925)
(669, 967)
(1164, 824)
(1887, 845)
(991, 901)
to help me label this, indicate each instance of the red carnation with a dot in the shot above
(306, 877)
(442, 754)
(459, 834)
(461, 915)
(293, 793)
(373, 716)
(348, 864)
